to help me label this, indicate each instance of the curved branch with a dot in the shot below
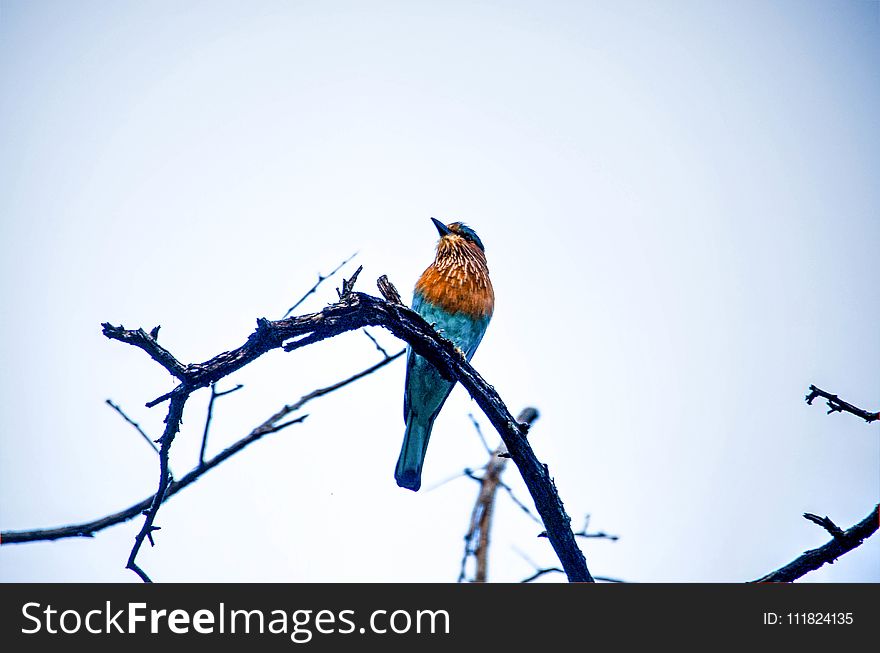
(356, 310)
(843, 542)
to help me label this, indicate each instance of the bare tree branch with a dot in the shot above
(837, 405)
(271, 425)
(842, 542)
(354, 311)
(321, 279)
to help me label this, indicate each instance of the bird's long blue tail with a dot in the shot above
(408, 473)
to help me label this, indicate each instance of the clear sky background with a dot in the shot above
(681, 212)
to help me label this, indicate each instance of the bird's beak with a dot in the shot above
(442, 228)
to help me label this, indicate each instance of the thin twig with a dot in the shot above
(442, 482)
(321, 279)
(330, 388)
(540, 571)
(480, 433)
(137, 426)
(376, 342)
(520, 504)
(597, 534)
(214, 396)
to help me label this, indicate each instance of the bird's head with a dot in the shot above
(457, 234)
(458, 279)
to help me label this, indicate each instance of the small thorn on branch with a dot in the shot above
(150, 534)
(154, 332)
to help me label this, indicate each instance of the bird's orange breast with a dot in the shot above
(458, 282)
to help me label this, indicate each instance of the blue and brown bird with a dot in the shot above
(454, 295)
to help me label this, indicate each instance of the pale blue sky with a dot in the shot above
(679, 203)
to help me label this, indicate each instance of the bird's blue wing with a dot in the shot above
(464, 331)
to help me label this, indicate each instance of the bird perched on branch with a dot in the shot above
(455, 295)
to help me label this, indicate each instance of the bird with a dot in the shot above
(455, 295)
